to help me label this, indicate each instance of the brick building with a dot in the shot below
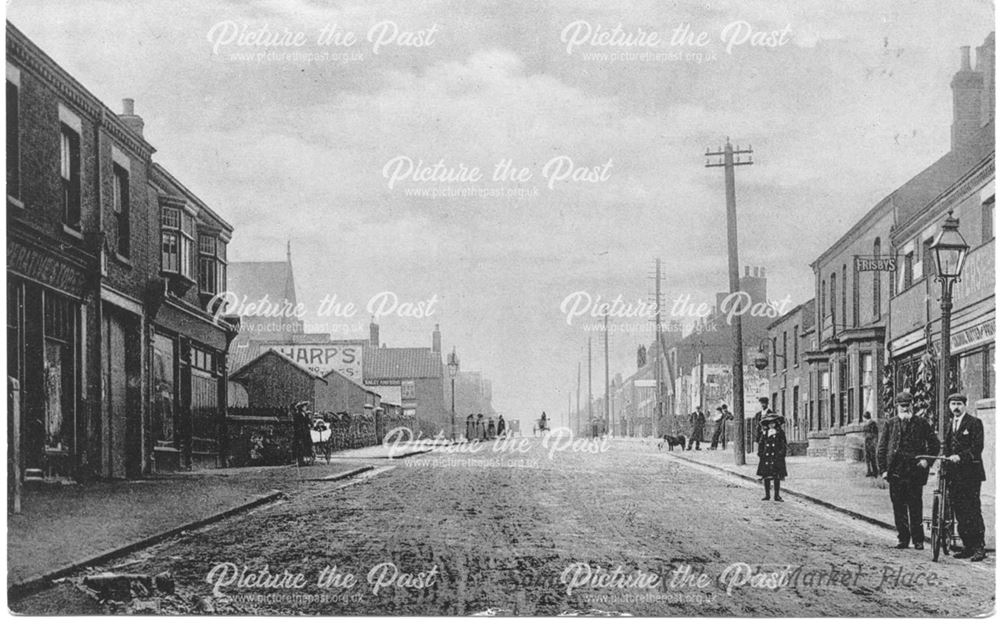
(84, 274)
(789, 338)
(873, 286)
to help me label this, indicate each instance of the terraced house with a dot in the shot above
(115, 364)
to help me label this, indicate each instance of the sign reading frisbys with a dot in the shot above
(324, 358)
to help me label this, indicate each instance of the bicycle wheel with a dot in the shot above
(936, 518)
(947, 521)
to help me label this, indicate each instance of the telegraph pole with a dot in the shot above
(607, 384)
(725, 159)
(590, 385)
(658, 413)
(578, 416)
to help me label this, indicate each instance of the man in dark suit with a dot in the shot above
(697, 429)
(963, 445)
(904, 438)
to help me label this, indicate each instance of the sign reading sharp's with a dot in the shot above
(875, 263)
(323, 358)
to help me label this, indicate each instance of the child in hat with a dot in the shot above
(771, 450)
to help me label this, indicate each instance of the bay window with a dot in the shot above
(177, 232)
(211, 264)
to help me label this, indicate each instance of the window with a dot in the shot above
(877, 283)
(868, 402)
(822, 309)
(774, 356)
(164, 399)
(69, 168)
(833, 303)
(823, 398)
(842, 385)
(795, 345)
(796, 427)
(928, 260)
(211, 264)
(121, 201)
(177, 232)
(784, 350)
(13, 141)
(855, 297)
(908, 264)
(843, 296)
(987, 206)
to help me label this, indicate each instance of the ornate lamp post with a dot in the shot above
(453, 372)
(950, 250)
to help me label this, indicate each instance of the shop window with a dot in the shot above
(121, 202)
(69, 169)
(823, 398)
(13, 141)
(795, 412)
(844, 393)
(164, 392)
(58, 371)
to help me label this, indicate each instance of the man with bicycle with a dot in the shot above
(963, 447)
(904, 438)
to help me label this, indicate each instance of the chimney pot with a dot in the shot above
(966, 65)
(128, 106)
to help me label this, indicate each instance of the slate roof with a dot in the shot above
(402, 363)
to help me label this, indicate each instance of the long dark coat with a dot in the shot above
(771, 452)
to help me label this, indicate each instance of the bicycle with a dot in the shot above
(942, 521)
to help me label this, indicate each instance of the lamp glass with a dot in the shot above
(950, 249)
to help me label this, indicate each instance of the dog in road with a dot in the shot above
(672, 441)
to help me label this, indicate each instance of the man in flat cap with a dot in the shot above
(963, 445)
(904, 438)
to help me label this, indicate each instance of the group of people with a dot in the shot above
(906, 437)
(893, 453)
(479, 429)
(697, 421)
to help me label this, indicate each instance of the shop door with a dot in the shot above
(115, 398)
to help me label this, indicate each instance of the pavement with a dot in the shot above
(533, 531)
(64, 526)
(837, 484)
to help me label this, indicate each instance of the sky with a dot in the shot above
(358, 149)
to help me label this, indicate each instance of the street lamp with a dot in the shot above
(950, 251)
(453, 372)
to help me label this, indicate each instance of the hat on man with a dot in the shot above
(958, 397)
(763, 400)
(904, 397)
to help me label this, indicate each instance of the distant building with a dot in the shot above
(789, 338)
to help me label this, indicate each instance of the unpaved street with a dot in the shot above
(508, 532)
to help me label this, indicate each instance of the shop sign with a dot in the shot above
(45, 269)
(325, 358)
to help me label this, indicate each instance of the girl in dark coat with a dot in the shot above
(771, 449)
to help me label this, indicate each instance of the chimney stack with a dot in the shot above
(436, 339)
(128, 116)
(967, 105)
(373, 333)
(986, 65)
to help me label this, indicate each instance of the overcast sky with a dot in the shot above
(851, 101)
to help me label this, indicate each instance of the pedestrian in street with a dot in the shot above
(771, 450)
(470, 427)
(719, 421)
(480, 427)
(870, 428)
(501, 426)
(301, 433)
(963, 445)
(904, 438)
(697, 429)
(491, 429)
(754, 432)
